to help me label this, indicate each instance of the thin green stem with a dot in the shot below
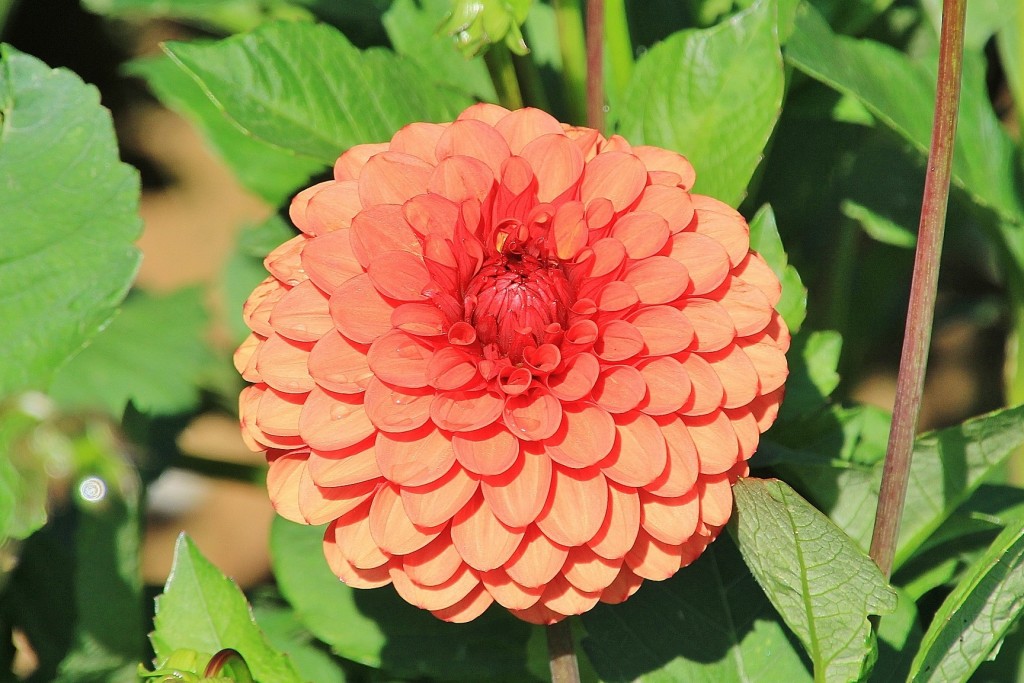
(530, 81)
(503, 72)
(920, 314)
(618, 46)
(595, 64)
(6, 6)
(562, 653)
(572, 44)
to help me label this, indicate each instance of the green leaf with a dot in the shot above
(70, 215)
(244, 269)
(226, 15)
(976, 616)
(305, 88)
(984, 18)
(26, 454)
(820, 582)
(203, 610)
(152, 354)
(708, 624)
(764, 239)
(899, 635)
(813, 359)
(878, 227)
(286, 633)
(713, 95)
(1010, 42)
(379, 629)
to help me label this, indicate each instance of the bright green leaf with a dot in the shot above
(713, 95)
(878, 227)
(152, 354)
(1010, 42)
(28, 447)
(821, 583)
(305, 88)
(203, 610)
(813, 359)
(764, 239)
(984, 18)
(286, 633)
(70, 215)
(226, 15)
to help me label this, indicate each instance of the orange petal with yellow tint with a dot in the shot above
(425, 320)
(682, 467)
(476, 139)
(621, 523)
(658, 279)
(737, 374)
(534, 415)
(352, 532)
(339, 365)
(769, 362)
(639, 454)
(345, 466)
(539, 614)
(244, 358)
(451, 368)
(434, 563)
(437, 502)
(380, 229)
(575, 378)
(619, 389)
(522, 126)
(490, 450)
(755, 271)
(585, 436)
(418, 139)
(651, 559)
(279, 413)
(467, 609)
(484, 111)
(746, 305)
(658, 159)
(359, 311)
(713, 329)
(696, 546)
(715, 499)
(616, 296)
(706, 260)
(625, 584)
(466, 411)
(717, 447)
(329, 260)
(616, 176)
(569, 230)
(723, 223)
(284, 477)
(330, 421)
(664, 329)
(747, 432)
(392, 178)
(588, 571)
(400, 358)
(284, 262)
(668, 385)
(671, 203)
(517, 495)
(766, 408)
(507, 592)
(350, 164)
(299, 203)
(563, 597)
(319, 504)
(257, 308)
(461, 179)
(416, 457)
(302, 314)
(333, 207)
(282, 364)
(707, 392)
(434, 597)
(576, 505)
(670, 520)
(617, 341)
(374, 577)
(393, 408)
(392, 530)
(483, 541)
(642, 233)
(400, 275)
(556, 162)
(536, 560)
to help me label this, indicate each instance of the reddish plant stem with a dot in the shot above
(920, 314)
(595, 64)
(564, 668)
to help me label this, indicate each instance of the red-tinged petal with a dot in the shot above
(569, 230)
(670, 520)
(658, 279)
(392, 408)
(707, 393)
(354, 540)
(639, 454)
(257, 308)
(400, 275)
(658, 159)
(542, 359)
(747, 433)
(392, 178)
(617, 341)
(484, 111)
(244, 358)
(608, 255)
(329, 260)
(299, 203)
(681, 470)
(285, 262)
(284, 477)
(434, 597)
(642, 233)
(380, 229)
(651, 559)
(320, 504)
(616, 296)
(619, 389)
(332, 208)
(576, 505)
(279, 413)
(425, 320)
(467, 609)
(585, 436)
(416, 457)
(255, 438)
(668, 178)
(462, 178)
(625, 584)
(483, 541)
(668, 385)
(755, 271)
(523, 126)
(622, 521)
(432, 215)
(517, 495)
(587, 139)
(476, 139)
(437, 502)
(539, 614)
(537, 559)
(766, 408)
(339, 365)
(282, 364)
(331, 421)
(359, 311)
(599, 215)
(303, 314)
(715, 499)
(374, 577)
(434, 563)
(401, 359)
(466, 411)
(575, 378)
(769, 362)
(533, 415)
(557, 164)
(671, 203)
(717, 446)
(564, 598)
(392, 530)
(706, 260)
(713, 329)
(617, 176)
(490, 450)
(664, 329)
(450, 369)
(737, 374)
(507, 592)
(345, 466)
(350, 164)
(696, 546)
(419, 140)
(723, 223)
(588, 571)
(779, 332)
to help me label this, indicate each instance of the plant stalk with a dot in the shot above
(572, 44)
(595, 64)
(618, 46)
(503, 73)
(921, 311)
(564, 668)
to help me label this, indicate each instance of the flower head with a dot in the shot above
(511, 361)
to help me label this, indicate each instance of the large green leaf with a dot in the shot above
(973, 620)
(1010, 41)
(821, 583)
(70, 215)
(23, 464)
(764, 239)
(713, 95)
(152, 354)
(305, 88)
(203, 610)
(226, 15)
(379, 629)
(710, 623)
(286, 633)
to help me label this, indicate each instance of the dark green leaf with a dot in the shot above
(1010, 42)
(26, 453)
(879, 227)
(70, 215)
(713, 95)
(286, 633)
(764, 239)
(813, 359)
(820, 582)
(899, 634)
(226, 15)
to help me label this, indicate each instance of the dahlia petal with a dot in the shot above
(484, 111)
(258, 307)
(766, 408)
(431, 215)
(281, 363)
(642, 233)
(354, 540)
(717, 446)
(575, 378)
(533, 415)
(769, 362)
(707, 392)
(606, 257)
(599, 215)
(713, 328)
(436, 597)
(339, 365)
(483, 541)
(374, 577)
(706, 260)
(244, 358)
(320, 504)
(619, 388)
(616, 296)
(416, 457)
(617, 176)
(671, 203)
(303, 314)
(697, 544)
(576, 505)
(255, 438)
(279, 412)
(723, 223)
(542, 359)
(715, 499)
(580, 337)
(476, 139)
(625, 584)
(539, 614)
(350, 164)
(284, 477)
(523, 126)
(747, 433)
(490, 450)
(658, 159)
(670, 520)
(664, 178)
(451, 368)
(329, 260)
(537, 559)
(652, 559)
(682, 467)
(564, 598)
(392, 530)
(345, 466)
(332, 207)
(588, 571)
(434, 563)
(668, 385)
(507, 592)
(285, 262)
(467, 609)
(418, 139)
(400, 358)
(737, 374)
(755, 271)
(392, 408)
(359, 311)
(331, 421)
(639, 454)
(617, 341)
(437, 502)
(569, 230)
(557, 163)
(664, 329)
(585, 436)
(380, 229)
(517, 495)
(746, 305)
(400, 275)
(392, 178)
(779, 332)
(422, 319)
(297, 207)
(517, 189)
(621, 523)
(461, 178)
(658, 279)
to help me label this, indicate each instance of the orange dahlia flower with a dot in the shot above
(509, 360)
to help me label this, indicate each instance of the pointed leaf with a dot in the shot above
(765, 240)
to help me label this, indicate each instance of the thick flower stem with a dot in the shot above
(618, 45)
(503, 73)
(910, 382)
(595, 64)
(564, 668)
(569, 17)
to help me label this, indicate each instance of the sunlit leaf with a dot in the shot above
(765, 240)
